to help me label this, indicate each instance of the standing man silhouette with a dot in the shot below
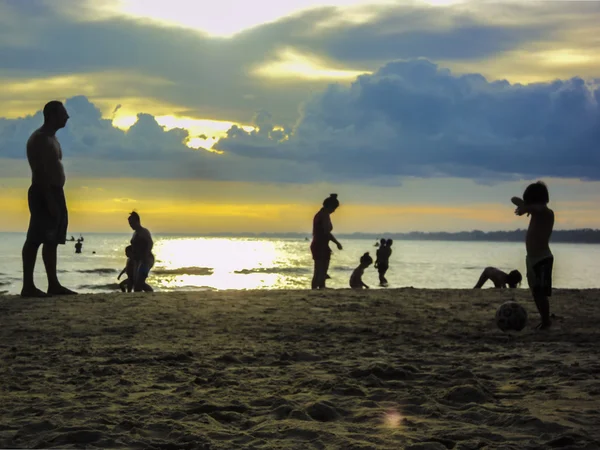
(47, 204)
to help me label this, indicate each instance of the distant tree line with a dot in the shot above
(582, 236)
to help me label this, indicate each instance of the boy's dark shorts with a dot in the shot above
(539, 276)
(382, 268)
(43, 227)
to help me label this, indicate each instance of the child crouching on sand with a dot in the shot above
(499, 278)
(356, 281)
(539, 259)
(127, 283)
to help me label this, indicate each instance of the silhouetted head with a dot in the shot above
(513, 279)
(55, 115)
(389, 242)
(366, 259)
(331, 203)
(536, 193)
(128, 250)
(134, 220)
(382, 242)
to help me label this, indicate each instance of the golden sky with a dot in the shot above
(303, 81)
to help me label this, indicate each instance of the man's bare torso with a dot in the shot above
(539, 232)
(142, 244)
(44, 155)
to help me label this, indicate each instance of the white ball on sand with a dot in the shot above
(511, 316)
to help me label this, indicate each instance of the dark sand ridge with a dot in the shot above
(413, 369)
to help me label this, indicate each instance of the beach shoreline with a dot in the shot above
(298, 369)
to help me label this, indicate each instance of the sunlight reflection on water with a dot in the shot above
(235, 263)
(199, 263)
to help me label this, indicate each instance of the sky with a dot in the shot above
(243, 116)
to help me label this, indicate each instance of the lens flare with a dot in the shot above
(392, 419)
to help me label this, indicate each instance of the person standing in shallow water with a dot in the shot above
(47, 204)
(141, 253)
(319, 247)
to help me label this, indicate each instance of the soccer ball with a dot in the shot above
(511, 317)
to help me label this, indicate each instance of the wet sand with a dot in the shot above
(340, 369)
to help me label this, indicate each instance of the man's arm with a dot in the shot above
(335, 241)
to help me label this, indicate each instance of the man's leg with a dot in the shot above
(140, 279)
(325, 269)
(320, 274)
(543, 305)
(29, 255)
(49, 254)
(315, 279)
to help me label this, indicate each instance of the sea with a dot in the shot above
(195, 263)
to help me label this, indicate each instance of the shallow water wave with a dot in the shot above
(184, 271)
(102, 270)
(101, 287)
(275, 270)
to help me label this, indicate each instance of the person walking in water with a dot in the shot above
(47, 204)
(319, 247)
(141, 253)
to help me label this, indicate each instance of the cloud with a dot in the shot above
(197, 75)
(412, 118)
(408, 119)
(92, 147)
(89, 135)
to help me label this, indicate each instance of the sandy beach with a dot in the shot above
(394, 369)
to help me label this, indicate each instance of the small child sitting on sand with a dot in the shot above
(499, 278)
(356, 281)
(127, 283)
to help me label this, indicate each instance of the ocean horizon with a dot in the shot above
(187, 262)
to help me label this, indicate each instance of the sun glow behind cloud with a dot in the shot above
(292, 64)
(203, 132)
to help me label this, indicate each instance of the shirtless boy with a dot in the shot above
(499, 278)
(537, 243)
(47, 204)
